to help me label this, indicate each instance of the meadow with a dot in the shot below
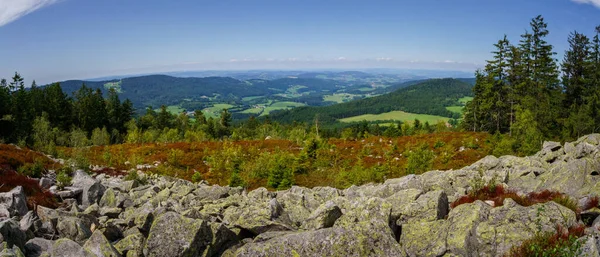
(396, 115)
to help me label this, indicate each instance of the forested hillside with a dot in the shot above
(429, 97)
(523, 93)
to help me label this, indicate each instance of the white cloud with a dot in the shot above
(384, 59)
(341, 58)
(592, 2)
(11, 10)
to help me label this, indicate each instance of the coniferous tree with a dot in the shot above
(574, 69)
(544, 76)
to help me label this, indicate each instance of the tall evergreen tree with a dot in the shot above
(574, 69)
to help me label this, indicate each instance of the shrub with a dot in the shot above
(197, 177)
(175, 156)
(134, 176)
(439, 144)
(100, 137)
(497, 194)
(419, 160)
(562, 243)
(236, 180)
(33, 170)
(63, 178)
(35, 194)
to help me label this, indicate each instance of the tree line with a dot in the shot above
(47, 115)
(524, 93)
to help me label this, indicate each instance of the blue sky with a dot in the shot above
(53, 40)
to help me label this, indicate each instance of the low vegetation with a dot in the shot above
(562, 243)
(310, 161)
(498, 193)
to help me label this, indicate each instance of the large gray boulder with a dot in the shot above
(37, 246)
(92, 188)
(131, 245)
(98, 245)
(172, 234)
(12, 234)
(11, 252)
(14, 201)
(65, 247)
(325, 242)
(74, 228)
(323, 217)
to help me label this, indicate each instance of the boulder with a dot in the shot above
(11, 252)
(430, 206)
(425, 238)
(511, 224)
(131, 245)
(172, 234)
(109, 199)
(27, 222)
(92, 190)
(323, 217)
(46, 182)
(222, 238)
(65, 247)
(37, 246)
(74, 228)
(462, 222)
(335, 241)
(12, 234)
(99, 246)
(258, 216)
(590, 246)
(14, 201)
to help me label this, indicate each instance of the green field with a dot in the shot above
(215, 110)
(173, 109)
(253, 110)
(396, 115)
(455, 109)
(366, 89)
(250, 98)
(280, 106)
(338, 98)
(465, 99)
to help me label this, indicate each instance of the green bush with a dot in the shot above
(63, 177)
(197, 177)
(134, 176)
(33, 170)
(175, 156)
(236, 180)
(419, 160)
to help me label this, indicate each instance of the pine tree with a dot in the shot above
(575, 73)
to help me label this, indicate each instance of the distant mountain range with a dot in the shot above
(253, 92)
(421, 97)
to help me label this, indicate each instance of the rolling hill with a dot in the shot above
(428, 97)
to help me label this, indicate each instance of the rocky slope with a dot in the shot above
(408, 216)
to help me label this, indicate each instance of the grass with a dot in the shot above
(280, 106)
(215, 110)
(455, 109)
(465, 99)
(366, 89)
(253, 111)
(396, 115)
(250, 98)
(338, 98)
